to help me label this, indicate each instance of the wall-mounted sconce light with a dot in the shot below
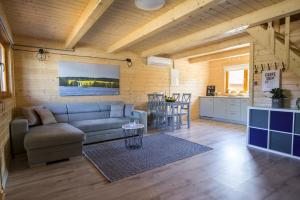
(129, 62)
(41, 55)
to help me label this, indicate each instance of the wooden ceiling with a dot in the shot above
(55, 19)
(43, 19)
(226, 10)
(119, 20)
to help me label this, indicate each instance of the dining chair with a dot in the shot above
(186, 98)
(176, 96)
(151, 109)
(174, 117)
(160, 112)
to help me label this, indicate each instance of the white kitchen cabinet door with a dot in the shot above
(206, 107)
(220, 108)
(233, 109)
(244, 110)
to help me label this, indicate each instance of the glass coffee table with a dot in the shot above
(133, 134)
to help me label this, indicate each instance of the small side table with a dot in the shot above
(133, 134)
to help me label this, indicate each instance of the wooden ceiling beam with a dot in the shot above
(5, 25)
(216, 47)
(94, 10)
(163, 21)
(222, 55)
(231, 27)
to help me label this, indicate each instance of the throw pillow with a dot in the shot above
(30, 114)
(128, 110)
(46, 116)
(116, 110)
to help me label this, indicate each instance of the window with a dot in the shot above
(3, 80)
(236, 79)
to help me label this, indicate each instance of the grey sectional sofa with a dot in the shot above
(78, 123)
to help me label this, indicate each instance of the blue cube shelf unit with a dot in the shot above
(275, 130)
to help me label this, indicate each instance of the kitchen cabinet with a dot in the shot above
(228, 109)
(207, 107)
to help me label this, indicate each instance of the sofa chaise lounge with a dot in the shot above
(77, 124)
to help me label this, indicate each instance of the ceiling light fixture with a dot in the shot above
(149, 4)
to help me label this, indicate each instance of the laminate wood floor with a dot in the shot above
(229, 171)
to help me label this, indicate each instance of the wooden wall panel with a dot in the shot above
(216, 70)
(6, 111)
(5, 116)
(193, 79)
(290, 81)
(36, 82)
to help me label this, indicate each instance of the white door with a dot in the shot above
(206, 107)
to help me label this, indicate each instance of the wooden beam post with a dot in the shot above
(222, 55)
(230, 27)
(214, 48)
(261, 37)
(277, 25)
(271, 38)
(163, 21)
(94, 10)
(287, 41)
(251, 73)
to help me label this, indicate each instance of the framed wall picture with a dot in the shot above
(270, 80)
(84, 79)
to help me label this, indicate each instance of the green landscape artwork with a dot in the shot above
(83, 79)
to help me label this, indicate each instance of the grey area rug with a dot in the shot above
(115, 162)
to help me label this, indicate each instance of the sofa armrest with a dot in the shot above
(18, 129)
(141, 116)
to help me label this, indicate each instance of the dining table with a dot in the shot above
(172, 111)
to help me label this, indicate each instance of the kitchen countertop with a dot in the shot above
(237, 97)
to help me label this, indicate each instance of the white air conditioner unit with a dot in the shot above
(159, 61)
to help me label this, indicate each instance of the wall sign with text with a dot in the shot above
(270, 80)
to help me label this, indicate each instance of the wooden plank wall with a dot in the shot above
(289, 80)
(193, 79)
(7, 106)
(36, 82)
(5, 116)
(216, 70)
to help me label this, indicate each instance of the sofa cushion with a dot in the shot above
(88, 116)
(46, 116)
(117, 110)
(128, 110)
(100, 124)
(30, 114)
(59, 111)
(52, 135)
(83, 107)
